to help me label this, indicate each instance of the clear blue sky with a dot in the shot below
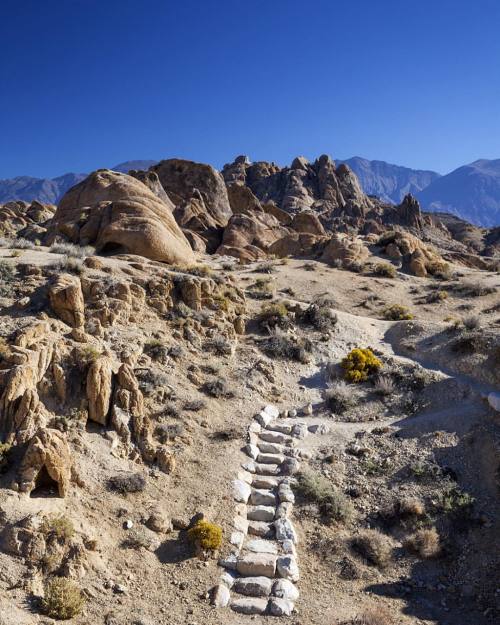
(90, 83)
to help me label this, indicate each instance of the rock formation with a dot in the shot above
(116, 212)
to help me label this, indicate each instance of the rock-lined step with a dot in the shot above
(262, 571)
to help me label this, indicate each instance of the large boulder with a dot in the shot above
(200, 196)
(117, 212)
(347, 250)
(66, 300)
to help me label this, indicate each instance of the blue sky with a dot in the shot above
(90, 83)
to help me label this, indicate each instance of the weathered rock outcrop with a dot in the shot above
(347, 250)
(117, 212)
(30, 221)
(99, 389)
(200, 196)
(47, 456)
(66, 300)
(415, 255)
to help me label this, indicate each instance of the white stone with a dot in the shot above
(237, 539)
(259, 481)
(262, 498)
(270, 458)
(260, 546)
(241, 491)
(285, 493)
(245, 476)
(241, 509)
(263, 418)
(292, 413)
(252, 451)
(267, 469)
(284, 589)
(307, 410)
(227, 578)
(256, 564)
(284, 510)
(220, 596)
(285, 530)
(254, 427)
(230, 562)
(254, 586)
(319, 428)
(272, 411)
(129, 524)
(290, 466)
(287, 568)
(260, 513)
(259, 528)
(270, 448)
(275, 437)
(249, 466)
(249, 605)
(280, 607)
(240, 524)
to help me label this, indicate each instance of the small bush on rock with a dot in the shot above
(273, 315)
(359, 364)
(62, 599)
(320, 316)
(205, 535)
(374, 547)
(386, 270)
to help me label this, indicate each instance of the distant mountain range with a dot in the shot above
(471, 192)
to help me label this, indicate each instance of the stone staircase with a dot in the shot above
(262, 570)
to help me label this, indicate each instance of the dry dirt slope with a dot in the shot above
(431, 439)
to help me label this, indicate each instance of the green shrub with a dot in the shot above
(359, 364)
(273, 315)
(58, 527)
(386, 270)
(339, 396)
(374, 546)
(279, 345)
(62, 599)
(332, 504)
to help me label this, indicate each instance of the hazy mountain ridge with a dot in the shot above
(387, 181)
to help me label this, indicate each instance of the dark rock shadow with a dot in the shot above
(174, 550)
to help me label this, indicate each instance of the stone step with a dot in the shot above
(285, 427)
(270, 458)
(249, 605)
(259, 545)
(261, 529)
(267, 483)
(268, 470)
(287, 568)
(285, 530)
(241, 491)
(284, 589)
(261, 513)
(272, 411)
(270, 448)
(262, 497)
(280, 607)
(257, 564)
(285, 493)
(275, 437)
(253, 586)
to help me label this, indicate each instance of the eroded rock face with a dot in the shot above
(99, 389)
(48, 452)
(30, 221)
(200, 196)
(347, 250)
(66, 300)
(114, 211)
(419, 258)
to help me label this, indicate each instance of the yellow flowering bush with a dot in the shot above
(359, 364)
(206, 535)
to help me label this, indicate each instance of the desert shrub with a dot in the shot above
(195, 405)
(137, 538)
(6, 242)
(357, 266)
(279, 345)
(218, 387)
(273, 315)
(69, 264)
(475, 289)
(202, 271)
(386, 270)
(88, 353)
(71, 250)
(125, 483)
(205, 535)
(384, 385)
(320, 316)
(424, 543)
(410, 507)
(468, 344)
(22, 244)
(266, 267)
(156, 349)
(221, 345)
(437, 296)
(374, 547)
(372, 616)
(339, 396)
(171, 410)
(309, 266)
(5, 450)
(457, 503)
(359, 364)
(333, 505)
(180, 311)
(397, 312)
(175, 351)
(169, 431)
(227, 266)
(58, 527)
(7, 277)
(62, 599)
(472, 322)
(264, 284)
